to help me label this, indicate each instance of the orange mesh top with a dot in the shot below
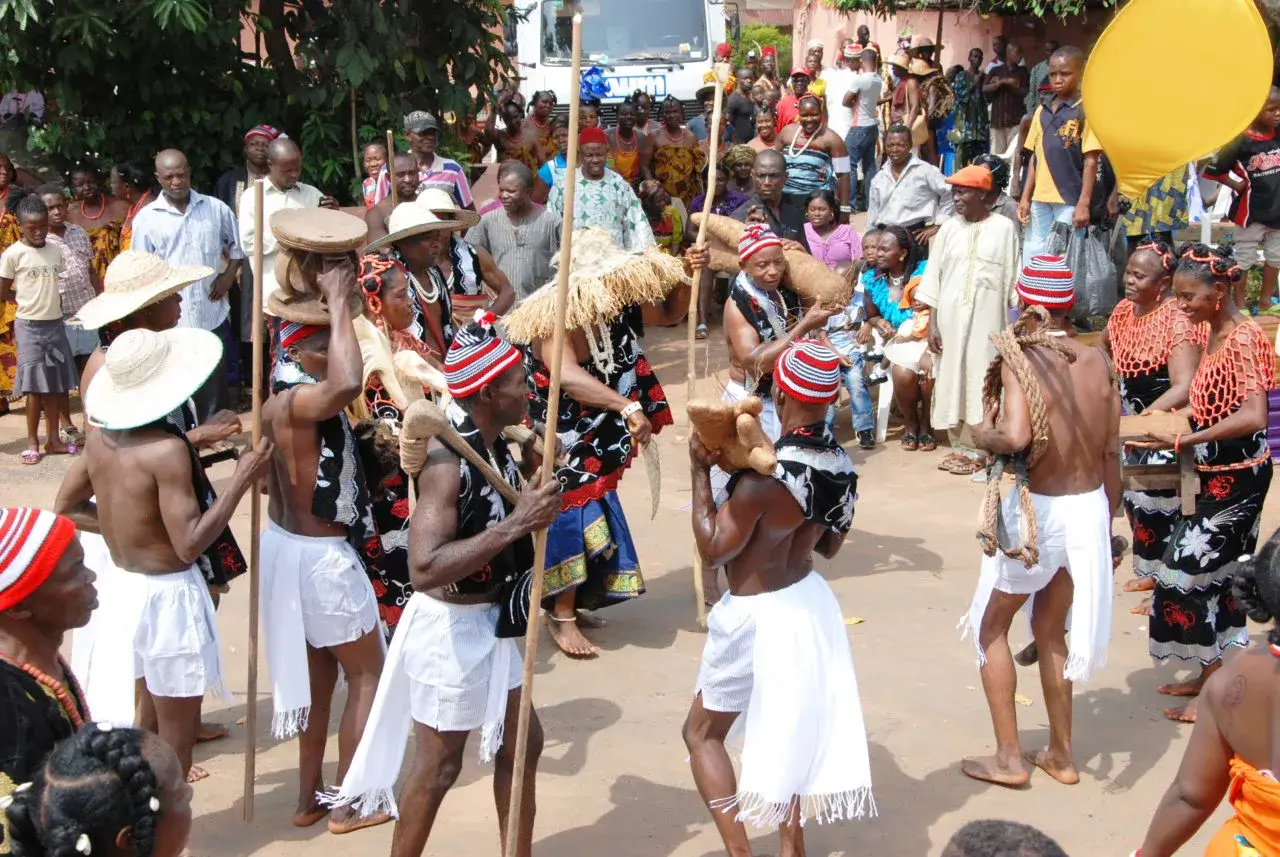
(1243, 364)
(1141, 345)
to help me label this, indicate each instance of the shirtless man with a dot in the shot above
(1075, 488)
(519, 140)
(405, 175)
(813, 744)
(470, 553)
(153, 525)
(319, 607)
(757, 316)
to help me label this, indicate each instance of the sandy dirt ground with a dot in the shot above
(614, 778)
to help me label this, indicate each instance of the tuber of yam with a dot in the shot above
(733, 429)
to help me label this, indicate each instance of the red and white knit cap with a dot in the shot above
(293, 332)
(1047, 281)
(756, 237)
(32, 542)
(809, 372)
(477, 357)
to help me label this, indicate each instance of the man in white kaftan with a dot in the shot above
(968, 284)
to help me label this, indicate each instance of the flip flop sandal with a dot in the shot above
(30, 456)
(967, 468)
(700, 332)
(950, 461)
(71, 436)
(910, 443)
(927, 443)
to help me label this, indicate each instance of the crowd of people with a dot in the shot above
(142, 300)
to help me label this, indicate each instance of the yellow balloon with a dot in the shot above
(1152, 106)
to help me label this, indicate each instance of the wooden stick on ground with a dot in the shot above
(391, 165)
(255, 515)
(717, 108)
(548, 462)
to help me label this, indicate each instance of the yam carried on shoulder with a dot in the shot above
(733, 429)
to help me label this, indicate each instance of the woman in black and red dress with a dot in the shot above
(1195, 617)
(1155, 349)
(611, 404)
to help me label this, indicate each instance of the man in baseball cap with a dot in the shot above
(423, 130)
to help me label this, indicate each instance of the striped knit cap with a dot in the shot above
(1048, 282)
(809, 372)
(477, 358)
(32, 542)
(755, 238)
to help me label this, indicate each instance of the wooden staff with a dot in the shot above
(391, 165)
(722, 75)
(255, 514)
(548, 462)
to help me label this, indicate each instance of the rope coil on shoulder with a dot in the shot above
(1010, 344)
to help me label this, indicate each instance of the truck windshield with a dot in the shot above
(626, 31)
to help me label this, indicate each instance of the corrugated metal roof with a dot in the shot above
(772, 17)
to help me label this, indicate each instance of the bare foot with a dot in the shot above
(211, 732)
(1190, 687)
(569, 639)
(1139, 584)
(196, 774)
(347, 820)
(989, 769)
(1143, 609)
(587, 619)
(1028, 656)
(1063, 771)
(1185, 714)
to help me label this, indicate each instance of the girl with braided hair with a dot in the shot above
(383, 331)
(102, 792)
(1231, 751)
(1194, 615)
(1155, 350)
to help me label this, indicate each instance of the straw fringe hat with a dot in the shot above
(147, 374)
(135, 279)
(604, 280)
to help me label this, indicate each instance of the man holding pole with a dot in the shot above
(452, 667)
(156, 527)
(318, 605)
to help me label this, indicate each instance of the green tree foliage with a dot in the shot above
(1039, 8)
(756, 36)
(125, 78)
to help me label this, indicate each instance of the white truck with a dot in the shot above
(663, 47)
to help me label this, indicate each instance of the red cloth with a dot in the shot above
(788, 111)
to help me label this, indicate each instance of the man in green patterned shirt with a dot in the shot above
(603, 198)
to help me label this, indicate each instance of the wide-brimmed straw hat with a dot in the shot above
(901, 60)
(135, 279)
(408, 219)
(920, 68)
(444, 206)
(148, 374)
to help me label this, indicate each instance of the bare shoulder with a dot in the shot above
(440, 476)
(763, 494)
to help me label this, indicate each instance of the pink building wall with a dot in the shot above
(961, 31)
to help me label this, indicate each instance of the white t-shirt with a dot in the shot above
(867, 85)
(839, 117)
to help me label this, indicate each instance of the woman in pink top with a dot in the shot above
(836, 245)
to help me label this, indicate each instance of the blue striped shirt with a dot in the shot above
(204, 235)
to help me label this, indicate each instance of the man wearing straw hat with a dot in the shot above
(419, 239)
(777, 653)
(453, 667)
(140, 291)
(470, 271)
(318, 605)
(156, 527)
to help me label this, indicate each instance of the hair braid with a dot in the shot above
(1255, 583)
(1208, 264)
(93, 785)
(1164, 250)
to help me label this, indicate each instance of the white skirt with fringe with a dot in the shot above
(782, 659)
(1074, 533)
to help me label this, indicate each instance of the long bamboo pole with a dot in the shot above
(548, 461)
(255, 515)
(391, 165)
(717, 108)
